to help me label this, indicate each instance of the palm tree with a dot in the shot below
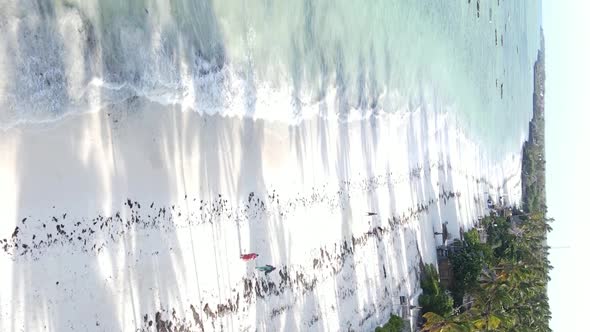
(511, 294)
(437, 323)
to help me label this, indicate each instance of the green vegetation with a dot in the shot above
(468, 262)
(533, 151)
(509, 292)
(434, 297)
(501, 285)
(395, 324)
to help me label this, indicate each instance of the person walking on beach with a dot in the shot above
(445, 231)
(490, 203)
(267, 269)
(248, 257)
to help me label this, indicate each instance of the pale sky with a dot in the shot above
(567, 106)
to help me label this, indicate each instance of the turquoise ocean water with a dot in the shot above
(275, 59)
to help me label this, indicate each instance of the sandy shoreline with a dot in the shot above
(136, 216)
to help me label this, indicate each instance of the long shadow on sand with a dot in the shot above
(68, 270)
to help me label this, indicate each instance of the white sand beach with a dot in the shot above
(133, 218)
